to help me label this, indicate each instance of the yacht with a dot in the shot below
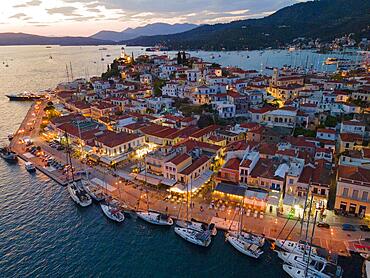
(8, 155)
(250, 238)
(25, 96)
(95, 193)
(112, 212)
(195, 237)
(240, 244)
(78, 195)
(155, 218)
(296, 272)
(30, 167)
(295, 247)
(317, 265)
(198, 226)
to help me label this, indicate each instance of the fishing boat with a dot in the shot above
(195, 237)
(198, 226)
(155, 218)
(240, 244)
(94, 192)
(315, 265)
(30, 167)
(112, 212)
(8, 155)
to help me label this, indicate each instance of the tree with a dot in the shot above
(157, 87)
(205, 120)
(331, 121)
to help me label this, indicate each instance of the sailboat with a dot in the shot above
(153, 217)
(111, 211)
(75, 190)
(95, 193)
(241, 242)
(299, 248)
(319, 267)
(187, 232)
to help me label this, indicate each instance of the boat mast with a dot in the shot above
(310, 250)
(69, 158)
(241, 217)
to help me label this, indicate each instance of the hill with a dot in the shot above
(325, 19)
(147, 30)
(28, 39)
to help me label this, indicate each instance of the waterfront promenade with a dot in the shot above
(132, 195)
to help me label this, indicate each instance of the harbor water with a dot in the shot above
(44, 234)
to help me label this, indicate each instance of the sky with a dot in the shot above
(86, 17)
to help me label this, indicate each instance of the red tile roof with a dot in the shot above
(195, 165)
(354, 173)
(232, 164)
(179, 159)
(112, 139)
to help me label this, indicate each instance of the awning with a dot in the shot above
(194, 186)
(103, 184)
(232, 189)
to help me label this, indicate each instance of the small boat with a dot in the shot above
(155, 218)
(30, 167)
(78, 195)
(240, 244)
(95, 193)
(195, 237)
(250, 238)
(331, 61)
(198, 226)
(112, 212)
(316, 265)
(8, 155)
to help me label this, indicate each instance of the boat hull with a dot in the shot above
(73, 194)
(152, 218)
(240, 245)
(189, 236)
(119, 217)
(23, 98)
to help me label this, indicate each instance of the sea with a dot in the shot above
(44, 234)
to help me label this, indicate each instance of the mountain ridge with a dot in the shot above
(149, 29)
(324, 19)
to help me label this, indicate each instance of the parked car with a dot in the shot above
(323, 225)
(348, 227)
(364, 228)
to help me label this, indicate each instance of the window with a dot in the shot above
(355, 194)
(345, 192)
(291, 181)
(365, 196)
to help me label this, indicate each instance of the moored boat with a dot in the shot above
(250, 238)
(78, 195)
(195, 237)
(296, 272)
(155, 218)
(112, 213)
(8, 155)
(316, 265)
(295, 247)
(240, 244)
(198, 226)
(30, 167)
(95, 193)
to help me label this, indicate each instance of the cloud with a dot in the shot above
(18, 15)
(66, 11)
(93, 10)
(28, 4)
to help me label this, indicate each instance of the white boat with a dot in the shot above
(198, 226)
(295, 247)
(195, 237)
(155, 218)
(317, 265)
(296, 272)
(78, 195)
(250, 238)
(112, 212)
(95, 193)
(30, 167)
(239, 243)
